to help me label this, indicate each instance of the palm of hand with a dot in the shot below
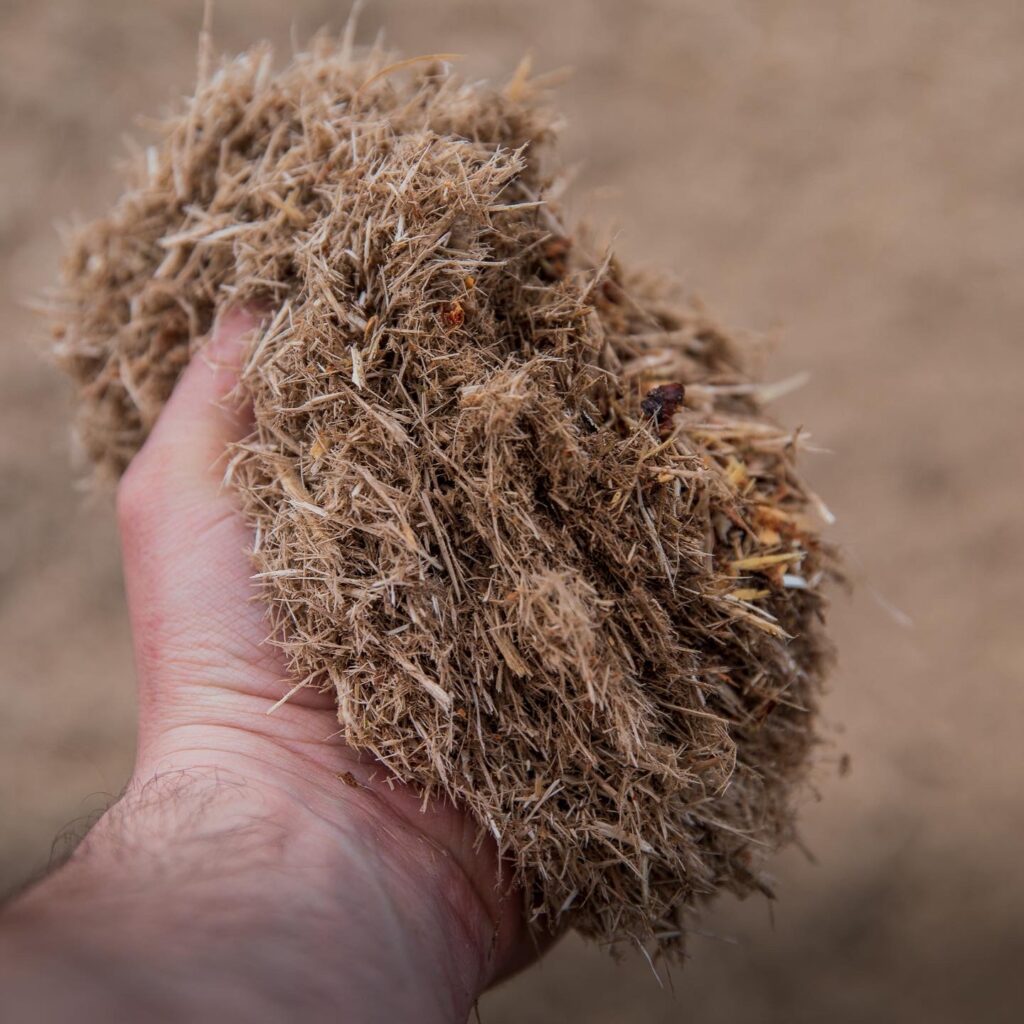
(207, 678)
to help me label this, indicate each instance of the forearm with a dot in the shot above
(196, 898)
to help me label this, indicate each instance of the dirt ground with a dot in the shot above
(847, 172)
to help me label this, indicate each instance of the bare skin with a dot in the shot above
(256, 868)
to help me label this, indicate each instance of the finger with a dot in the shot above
(198, 422)
(185, 544)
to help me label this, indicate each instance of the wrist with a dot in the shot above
(201, 885)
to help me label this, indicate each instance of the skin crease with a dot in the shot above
(255, 864)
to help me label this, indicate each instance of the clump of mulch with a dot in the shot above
(517, 505)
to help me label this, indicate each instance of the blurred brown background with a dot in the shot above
(852, 172)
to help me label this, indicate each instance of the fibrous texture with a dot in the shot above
(518, 508)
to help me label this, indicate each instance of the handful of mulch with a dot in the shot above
(516, 506)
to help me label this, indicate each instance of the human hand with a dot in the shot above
(256, 865)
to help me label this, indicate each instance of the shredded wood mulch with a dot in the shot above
(518, 507)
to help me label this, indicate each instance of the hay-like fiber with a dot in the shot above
(518, 508)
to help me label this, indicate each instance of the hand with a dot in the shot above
(256, 866)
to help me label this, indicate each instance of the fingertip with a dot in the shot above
(229, 340)
(214, 370)
(204, 413)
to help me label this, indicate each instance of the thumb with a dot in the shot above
(198, 422)
(185, 545)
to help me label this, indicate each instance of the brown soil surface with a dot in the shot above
(848, 172)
